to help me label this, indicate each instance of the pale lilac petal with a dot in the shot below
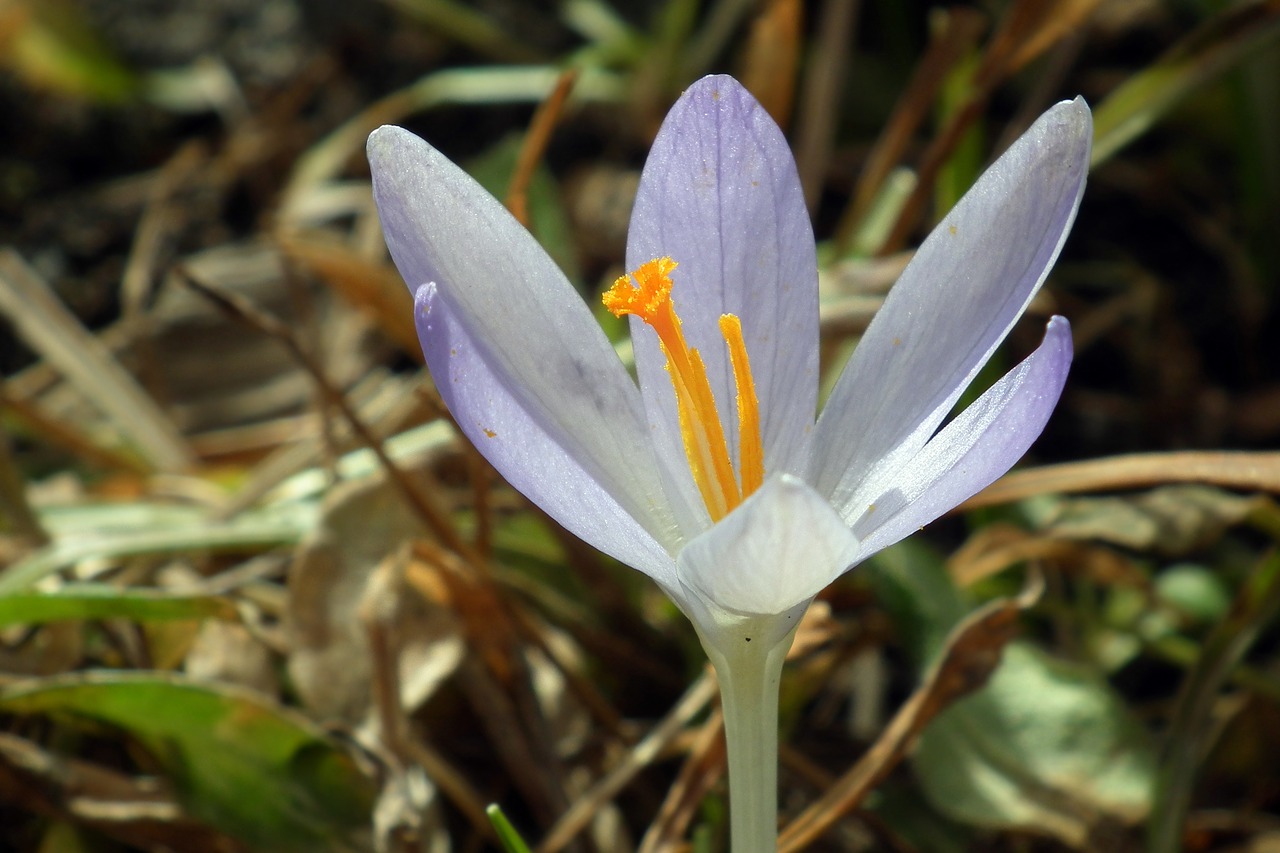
(516, 438)
(538, 359)
(720, 195)
(971, 452)
(962, 292)
(775, 551)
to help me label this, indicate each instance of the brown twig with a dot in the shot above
(380, 616)
(480, 474)
(431, 514)
(584, 807)
(1257, 472)
(586, 692)
(972, 654)
(1028, 28)
(703, 768)
(772, 57)
(951, 41)
(815, 131)
(23, 520)
(535, 145)
(55, 432)
(52, 330)
(495, 677)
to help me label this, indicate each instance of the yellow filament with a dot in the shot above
(706, 449)
(750, 449)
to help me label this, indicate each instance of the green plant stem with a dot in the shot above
(749, 676)
(1189, 738)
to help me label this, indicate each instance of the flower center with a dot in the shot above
(649, 298)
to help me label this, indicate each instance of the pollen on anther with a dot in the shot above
(649, 293)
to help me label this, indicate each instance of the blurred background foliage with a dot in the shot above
(257, 596)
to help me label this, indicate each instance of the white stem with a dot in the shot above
(749, 673)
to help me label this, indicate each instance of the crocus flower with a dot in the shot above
(709, 472)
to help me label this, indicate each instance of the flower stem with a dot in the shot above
(749, 675)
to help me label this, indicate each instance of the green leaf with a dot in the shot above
(1194, 726)
(1194, 591)
(1145, 98)
(52, 46)
(507, 835)
(134, 529)
(238, 761)
(457, 21)
(899, 805)
(99, 601)
(911, 582)
(964, 164)
(1172, 520)
(1046, 746)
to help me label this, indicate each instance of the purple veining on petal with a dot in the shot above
(966, 287)
(542, 353)
(535, 385)
(977, 447)
(720, 195)
(535, 457)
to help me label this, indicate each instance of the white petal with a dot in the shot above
(774, 552)
(720, 195)
(953, 305)
(981, 444)
(540, 347)
(533, 456)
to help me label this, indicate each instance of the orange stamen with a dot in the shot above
(750, 448)
(706, 449)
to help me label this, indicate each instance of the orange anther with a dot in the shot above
(706, 449)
